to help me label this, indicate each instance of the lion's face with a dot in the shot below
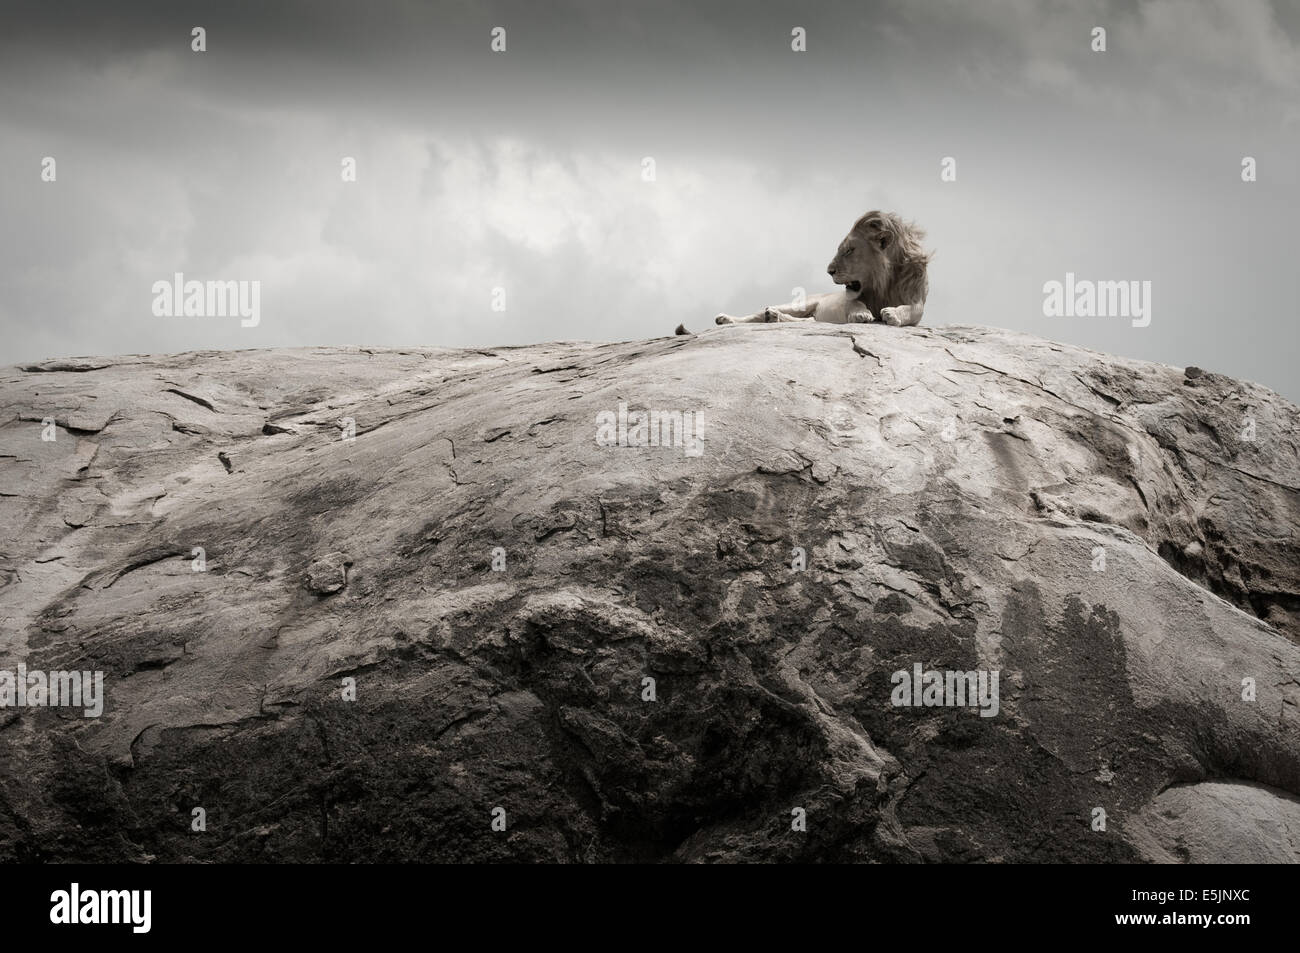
(863, 258)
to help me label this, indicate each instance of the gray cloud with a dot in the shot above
(522, 170)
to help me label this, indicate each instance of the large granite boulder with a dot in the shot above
(438, 605)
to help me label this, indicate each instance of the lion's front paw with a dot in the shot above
(891, 317)
(723, 319)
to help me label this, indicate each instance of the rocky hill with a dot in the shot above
(436, 605)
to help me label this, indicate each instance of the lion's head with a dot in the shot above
(878, 247)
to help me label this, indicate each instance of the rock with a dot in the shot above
(329, 574)
(641, 652)
(91, 419)
(1217, 822)
(72, 365)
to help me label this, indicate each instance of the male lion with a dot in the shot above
(882, 267)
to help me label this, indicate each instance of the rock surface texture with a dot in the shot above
(229, 537)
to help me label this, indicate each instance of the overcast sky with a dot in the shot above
(523, 169)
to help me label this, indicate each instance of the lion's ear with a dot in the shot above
(893, 233)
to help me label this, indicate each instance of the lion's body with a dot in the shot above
(883, 267)
(835, 307)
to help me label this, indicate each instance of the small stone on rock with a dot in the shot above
(329, 574)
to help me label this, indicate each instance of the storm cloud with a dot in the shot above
(522, 170)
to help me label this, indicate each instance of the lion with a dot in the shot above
(883, 268)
